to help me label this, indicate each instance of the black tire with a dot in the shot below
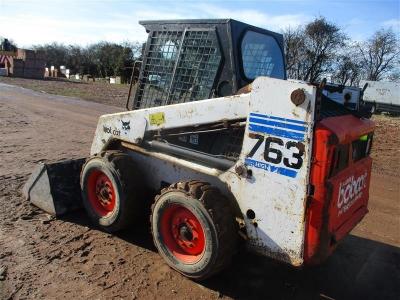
(126, 185)
(215, 216)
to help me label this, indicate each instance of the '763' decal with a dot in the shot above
(282, 157)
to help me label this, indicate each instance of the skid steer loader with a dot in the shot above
(232, 151)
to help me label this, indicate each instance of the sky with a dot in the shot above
(84, 22)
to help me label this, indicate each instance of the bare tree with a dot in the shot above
(323, 40)
(294, 51)
(311, 50)
(136, 48)
(380, 54)
(347, 69)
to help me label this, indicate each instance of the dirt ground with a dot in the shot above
(42, 257)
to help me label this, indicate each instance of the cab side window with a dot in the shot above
(261, 56)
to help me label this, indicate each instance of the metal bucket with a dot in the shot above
(55, 187)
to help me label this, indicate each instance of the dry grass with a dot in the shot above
(113, 94)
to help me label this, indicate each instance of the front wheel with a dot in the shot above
(111, 190)
(194, 229)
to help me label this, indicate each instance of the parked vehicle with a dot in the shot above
(226, 151)
(382, 96)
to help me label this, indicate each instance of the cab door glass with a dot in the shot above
(261, 56)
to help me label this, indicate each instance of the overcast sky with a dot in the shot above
(87, 21)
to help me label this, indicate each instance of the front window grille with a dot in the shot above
(181, 66)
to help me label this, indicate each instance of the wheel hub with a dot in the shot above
(185, 230)
(183, 234)
(101, 193)
(104, 191)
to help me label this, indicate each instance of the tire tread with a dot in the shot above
(220, 211)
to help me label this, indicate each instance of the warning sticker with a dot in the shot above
(157, 118)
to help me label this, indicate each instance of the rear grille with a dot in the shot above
(234, 146)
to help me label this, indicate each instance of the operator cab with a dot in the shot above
(189, 60)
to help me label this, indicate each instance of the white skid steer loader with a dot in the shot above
(230, 149)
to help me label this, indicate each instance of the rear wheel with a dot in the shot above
(111, 191)
(194, 229)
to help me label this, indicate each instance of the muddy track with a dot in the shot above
(68, 258)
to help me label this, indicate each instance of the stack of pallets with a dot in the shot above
(29, 64)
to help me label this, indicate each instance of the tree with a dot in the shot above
(347, 69)
(323, 39)
(294, 51)
(75, 59)
(7, 44)
(102, 59)
(136, 49)
(312, 49)
(56, 54)
(380, 54)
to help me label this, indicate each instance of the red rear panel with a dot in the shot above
(349, 197)
(340, 176)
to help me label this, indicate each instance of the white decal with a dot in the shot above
(350, 191)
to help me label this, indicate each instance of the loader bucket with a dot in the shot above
(54, 187)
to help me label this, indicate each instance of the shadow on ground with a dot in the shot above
(359, 269)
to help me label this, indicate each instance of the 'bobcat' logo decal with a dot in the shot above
(126, 125)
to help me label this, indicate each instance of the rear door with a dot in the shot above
(349, 197)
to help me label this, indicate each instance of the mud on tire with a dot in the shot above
(111, 190)
(184, 211)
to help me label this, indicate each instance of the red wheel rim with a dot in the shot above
(101, 193)
(182, 234)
